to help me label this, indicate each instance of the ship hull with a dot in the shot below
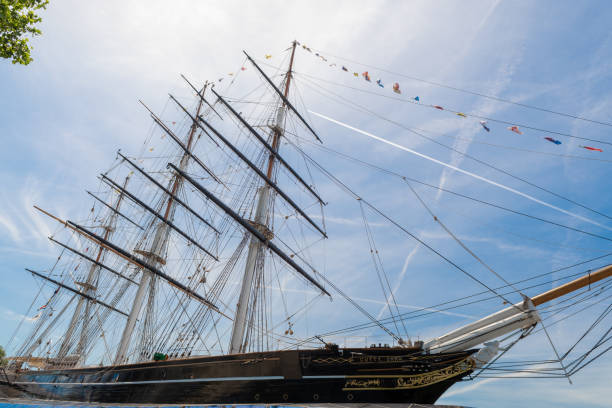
(345, 376)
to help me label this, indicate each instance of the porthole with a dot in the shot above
(315, 397)
(257, 396)
(350, 397)
(285, 397)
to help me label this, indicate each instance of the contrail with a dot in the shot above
(400, 278)
(486, 180)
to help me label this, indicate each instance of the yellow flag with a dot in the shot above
(463, 115)
(268, 56)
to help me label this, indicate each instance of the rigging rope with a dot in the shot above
(458, 113)
(344, 295)
(468, 173)
(406, 178)
(434, 309)
(599, 319)
(467, 155)
(479, 94)
(556, 352)
(380, 273)
(352, 193)
(457, 240)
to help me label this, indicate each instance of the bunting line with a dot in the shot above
(495, 98)
(416, 99)
(476, 176)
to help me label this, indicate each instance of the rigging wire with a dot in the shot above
(353, 194)
(523, 334)
(602, 340)
(406, 179)
(380, 273)
(436, 308)
(449, 232)
(465, 172)
(473, 115)
(393, 122)
(556, 352)
(598, 320)
(479, 94)
(577, 312)
(344, 295)
(26, 314)
(518, 149)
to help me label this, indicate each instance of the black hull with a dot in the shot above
(378, 375)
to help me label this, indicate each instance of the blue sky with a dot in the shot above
(64, 116)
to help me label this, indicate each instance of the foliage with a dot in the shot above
(2, 359)
(18, 19)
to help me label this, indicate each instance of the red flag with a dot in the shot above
(515, 129)
(438, 107)
(592, 148)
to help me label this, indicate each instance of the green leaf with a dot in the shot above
(17, 21)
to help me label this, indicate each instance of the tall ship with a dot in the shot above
(183, 283)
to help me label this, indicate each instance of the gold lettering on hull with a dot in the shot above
(361, 359)
(372, 382)
(396, 382)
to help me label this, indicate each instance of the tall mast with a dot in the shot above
(154, 255)
(89, 289)
(255, 256)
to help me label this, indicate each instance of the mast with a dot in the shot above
(88, 289)
(255, 254)
(153, 256)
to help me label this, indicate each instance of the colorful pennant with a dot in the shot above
(591, 148)
(515, 129)
(416, 99)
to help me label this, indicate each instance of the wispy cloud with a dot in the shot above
(347, 221)
(11, 228)
(11, 315)
(399, 279)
